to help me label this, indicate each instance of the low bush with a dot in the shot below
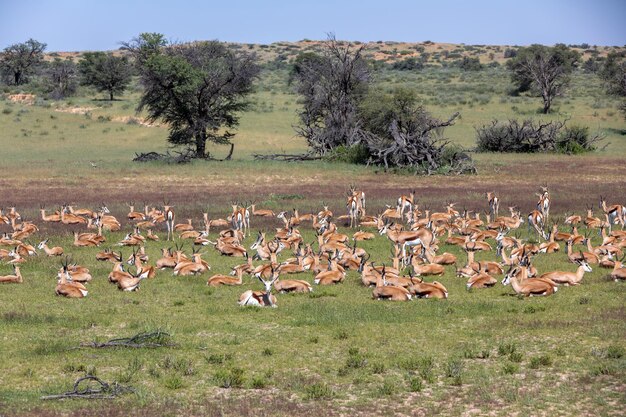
(530, 136)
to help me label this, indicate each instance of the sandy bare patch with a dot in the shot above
(75, 110)
(28, 99)
(134, 120)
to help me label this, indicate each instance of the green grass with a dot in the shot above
(312, 347)
(333, 349)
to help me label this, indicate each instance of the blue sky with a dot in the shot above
(72, 25)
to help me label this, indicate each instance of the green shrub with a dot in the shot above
(539, 361)
(415, 384)
(387, 388)
(355, 154)
(229, 378)
(319, 391)
(506, 348)
(576, 140)
(174, 382)
(615, 352)
(510, 368)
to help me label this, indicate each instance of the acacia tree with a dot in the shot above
(331, 85)
(198, 89)
(61, 77)
(544, 70)
(105, 72)
(20, 60)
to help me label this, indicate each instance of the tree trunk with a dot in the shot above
(201, 144)
(230, 154)
(546, 104)
(17, 77)
(111, 95)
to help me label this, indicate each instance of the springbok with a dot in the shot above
(108, 255)
(352, 205)
(196, 266)
(134, 215)
(84, 241)
(330, 276)
(543, 205)
(15, 278)
(118, 272)
(240, 219)
(55, 251)
(131, 284)
(589, 257)
(568, 278)
(167, 260)
(151, 236)
(480, 280)
(494, 204)
(536, 219)
(169, 220)
(54, 218)
(66, 287)
(421, 289)
(389, 292)
(184, 227)
(405, 202)
(619, 271)
(261, 212)
(615, 212)
(135, 259)
(551, 245)
(217, 280)
(290, 285)
(361, 235)
(259, 298)
(527, 287)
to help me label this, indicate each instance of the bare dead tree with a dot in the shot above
(419, 143)
(331, 86)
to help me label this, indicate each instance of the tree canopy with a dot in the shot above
(198, 89)
(105, 72)
(20, 60)
(543, 70)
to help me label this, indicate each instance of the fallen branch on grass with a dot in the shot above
(286, 157)
(141, 340)
(102, 390)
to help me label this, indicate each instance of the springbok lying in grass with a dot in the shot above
(260, 298)
(15, 278)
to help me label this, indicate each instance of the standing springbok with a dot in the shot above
(353, 207)
(169, 220)
(543, 205)
(494, 204)
(405, 202)
(240, 218)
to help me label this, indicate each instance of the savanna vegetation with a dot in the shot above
(334, 350)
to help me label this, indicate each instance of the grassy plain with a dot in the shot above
(332, 352)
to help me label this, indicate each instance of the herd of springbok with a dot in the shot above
(416, 235)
